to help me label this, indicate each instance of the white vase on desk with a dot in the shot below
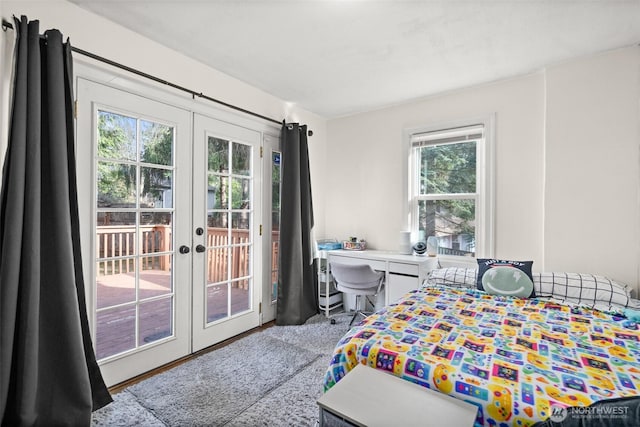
(405, 243)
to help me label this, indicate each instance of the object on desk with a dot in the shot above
(328, 244)
(405, 243)
(432, 246)
(420, 248)
(354, 246)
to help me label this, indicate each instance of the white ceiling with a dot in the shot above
(339, 57)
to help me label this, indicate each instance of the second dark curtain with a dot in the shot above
(48, 370)
(297, 285)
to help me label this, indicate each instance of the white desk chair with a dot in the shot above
(358, 279)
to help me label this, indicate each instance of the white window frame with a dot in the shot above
(485, 182)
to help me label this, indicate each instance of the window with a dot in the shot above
(450, 187)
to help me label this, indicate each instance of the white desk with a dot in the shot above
(367, 397)
(403, 273)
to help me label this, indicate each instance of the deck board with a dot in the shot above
(115, 328)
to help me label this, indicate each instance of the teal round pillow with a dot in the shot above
(507, 281)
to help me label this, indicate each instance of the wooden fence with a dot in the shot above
(116, 244)
(116, 251)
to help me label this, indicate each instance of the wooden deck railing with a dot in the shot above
(116, 250)
(116, 245)
(457, 252)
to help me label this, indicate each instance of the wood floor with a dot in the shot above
(117, 309)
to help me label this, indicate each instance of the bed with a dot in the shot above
(516, 359)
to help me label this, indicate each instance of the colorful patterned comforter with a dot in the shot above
(513, 358)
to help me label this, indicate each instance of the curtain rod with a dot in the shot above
(7, 25)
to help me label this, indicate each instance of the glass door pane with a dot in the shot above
(229, 237)
(134, 228)
(271, 243)
(276, 177)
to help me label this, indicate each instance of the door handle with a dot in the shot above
(184, 249)
(200, 249)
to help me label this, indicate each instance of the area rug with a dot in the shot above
(269, 378)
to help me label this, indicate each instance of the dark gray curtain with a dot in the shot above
(48, 371)
(297, 285)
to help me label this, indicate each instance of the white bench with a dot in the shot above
(368, 397)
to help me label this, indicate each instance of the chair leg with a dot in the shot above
(356, 310)
(368, 301)
(359, 310)
(354, 318)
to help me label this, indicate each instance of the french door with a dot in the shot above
(173, 209)
(227, 211)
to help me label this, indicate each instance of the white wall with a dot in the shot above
(591, 170)
(566, 165)
(367, 165)
(97, 35)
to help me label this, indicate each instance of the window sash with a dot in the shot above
(447, 136)
(440, 134)
(449, 196)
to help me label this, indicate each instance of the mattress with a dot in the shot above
(515, 359)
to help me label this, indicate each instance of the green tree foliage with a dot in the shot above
(231, 192)
(118, 145)
(276, 176)
(448, 169)
(157, 149)
(116, 141)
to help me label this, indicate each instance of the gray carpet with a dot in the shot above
(269, 378)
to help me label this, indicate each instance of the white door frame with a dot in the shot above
(115, 78)
(271, 144)
(92, 96)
